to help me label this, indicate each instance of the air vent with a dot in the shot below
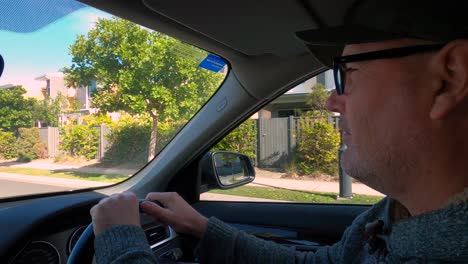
(156, 234)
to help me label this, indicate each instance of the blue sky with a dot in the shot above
(29, 55)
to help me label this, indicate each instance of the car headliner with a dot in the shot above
(256, 37)
(250, 27)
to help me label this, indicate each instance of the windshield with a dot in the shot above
(87, 98)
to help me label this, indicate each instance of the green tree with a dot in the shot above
(317, 99)
(74, 105)
(140, 72)
(49, 110)
(16, 111)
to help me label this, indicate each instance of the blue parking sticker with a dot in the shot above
(212, 63)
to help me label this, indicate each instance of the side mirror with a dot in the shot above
(225, 170)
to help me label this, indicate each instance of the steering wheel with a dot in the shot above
(83, 250)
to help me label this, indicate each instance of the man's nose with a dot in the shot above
(335, 103)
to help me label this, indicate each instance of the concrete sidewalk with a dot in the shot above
(312, 186)
(47, 165)
(234, 198)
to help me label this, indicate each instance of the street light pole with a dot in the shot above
(345, 180)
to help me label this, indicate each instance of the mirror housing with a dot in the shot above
(225, 170)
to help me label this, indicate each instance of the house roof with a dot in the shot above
(291, 98)
(7, 86)
(49, 75)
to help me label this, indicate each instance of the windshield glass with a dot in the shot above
(87, 98)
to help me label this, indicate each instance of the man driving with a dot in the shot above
(401, 77)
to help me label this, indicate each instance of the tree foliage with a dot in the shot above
(49, 110)
(16, 111)
(317, 98)
(140, 72)
(97, 119)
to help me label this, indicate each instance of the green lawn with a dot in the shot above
(296, 196)
(67, 174)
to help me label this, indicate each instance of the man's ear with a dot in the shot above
(451, 65)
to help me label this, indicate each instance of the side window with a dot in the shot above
(295, 144)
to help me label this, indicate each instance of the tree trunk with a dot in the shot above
(153, 139)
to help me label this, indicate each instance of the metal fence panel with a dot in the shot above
(277, 138)
(50, 136)
(103, 146)
(273, 142)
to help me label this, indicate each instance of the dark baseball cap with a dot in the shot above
(378, 20)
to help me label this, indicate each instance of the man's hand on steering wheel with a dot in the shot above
(117, 209)
(176, 213)
(123, 209)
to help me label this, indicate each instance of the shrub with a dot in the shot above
(241, 140)
(129, 140)
(8, 148)
(317, 147)
(130, 137)
(97, 119)
(29, 145)
(79, 141)
(166, 131)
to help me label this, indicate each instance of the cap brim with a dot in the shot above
(344, 35)
(326, 43)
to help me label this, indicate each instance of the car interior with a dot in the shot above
(266, 58)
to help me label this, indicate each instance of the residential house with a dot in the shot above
(293, 102)
(55, 85)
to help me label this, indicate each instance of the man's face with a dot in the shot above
(384, 114)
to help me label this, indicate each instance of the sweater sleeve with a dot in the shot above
(123, 244)
(223, 243)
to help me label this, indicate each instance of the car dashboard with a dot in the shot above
(49, 235)
(56, 248)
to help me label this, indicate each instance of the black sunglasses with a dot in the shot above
(339, 69)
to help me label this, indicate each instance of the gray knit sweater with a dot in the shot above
(439, 236)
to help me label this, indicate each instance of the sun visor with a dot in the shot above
(325, 54)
